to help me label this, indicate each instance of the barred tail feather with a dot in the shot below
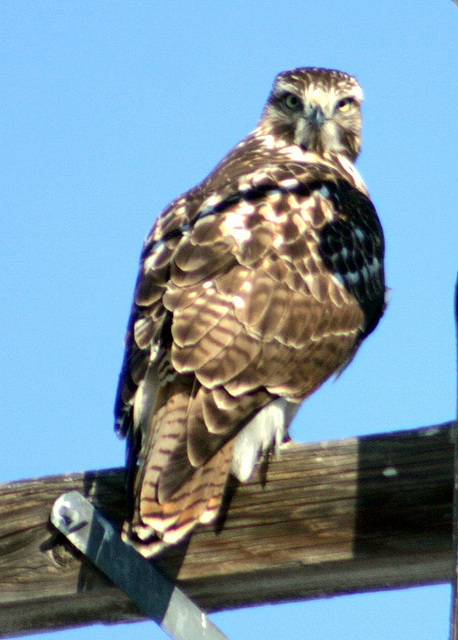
(171, 496)
(156, 525)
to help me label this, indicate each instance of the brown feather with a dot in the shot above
(254, 288)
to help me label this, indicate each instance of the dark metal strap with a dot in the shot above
(152, 592)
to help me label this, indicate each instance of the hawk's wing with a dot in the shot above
(263, 291)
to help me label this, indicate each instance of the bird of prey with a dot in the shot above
(254, 288)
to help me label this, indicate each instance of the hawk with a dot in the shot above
(254, 288)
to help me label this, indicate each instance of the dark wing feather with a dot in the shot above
(263, 290)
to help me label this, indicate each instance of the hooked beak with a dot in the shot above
(309, 129)
(316, 116)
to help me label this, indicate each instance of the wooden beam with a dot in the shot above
(333, 517)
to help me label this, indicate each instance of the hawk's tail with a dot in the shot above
(171, 496)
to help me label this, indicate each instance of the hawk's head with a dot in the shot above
(317, 109)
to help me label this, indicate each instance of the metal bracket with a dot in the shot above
(152, 592)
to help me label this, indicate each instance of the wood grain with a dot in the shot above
(331, 518)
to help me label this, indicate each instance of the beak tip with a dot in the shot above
(317, 116)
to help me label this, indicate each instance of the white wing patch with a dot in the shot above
(267, 428)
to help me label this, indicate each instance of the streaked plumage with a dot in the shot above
(254, 287)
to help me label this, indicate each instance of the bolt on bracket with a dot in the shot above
(153, 593)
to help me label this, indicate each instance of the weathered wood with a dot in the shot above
(334, 517)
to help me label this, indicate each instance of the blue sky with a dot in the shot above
(110, 110)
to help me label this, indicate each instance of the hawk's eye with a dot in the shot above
(292, 102)
(345, 104)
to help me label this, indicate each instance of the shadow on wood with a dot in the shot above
(334, 517)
